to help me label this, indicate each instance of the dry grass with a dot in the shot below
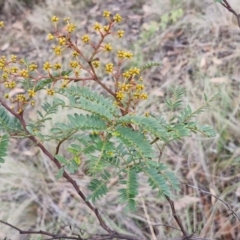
(200, 51)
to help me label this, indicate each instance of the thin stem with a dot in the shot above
(225, 203)
(229, 8)
(184, 232)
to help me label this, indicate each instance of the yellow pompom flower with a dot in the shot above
(85, 38)
(50, 92)
(97, 26)
(121, 54)
(120, 33)
(120, 95)
(57, 66)
(57, 50)
(117, 18)
(74, 64)
(109, 68)
(47, 66)
(24, 73)
(31, 93)
(106, 28)
(54, 19)
(32, 67)
(62, 41)
(107, 47)
(96, 64)
(106, 14)
(135, 71)
(139, 87)
(14, 70)
(13, 58)
(2, 24)
(50, 37)
(71, 27)
(128, 55)
(143, 96)
(75, 54)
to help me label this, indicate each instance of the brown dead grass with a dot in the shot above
(200, 52)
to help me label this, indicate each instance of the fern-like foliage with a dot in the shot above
(149, 65)
(149, 124)
(87, 122)
(136, 140)
(84, 98)
(48, 109)
(9, 124)
(99, 187)
(4, 139)
(97, 163)
(156, 180)
(128, 194)
(176, 100)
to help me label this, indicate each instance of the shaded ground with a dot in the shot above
(199, 50)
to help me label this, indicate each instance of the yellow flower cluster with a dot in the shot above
(14, 69)
(57, 66)
(74, 64)
(32, 67)
(75, 54)
(50, 36)
(120, 95)
(131, 72)
(85, 38)
(97, 26)
(24, 73)
(124, 54)
(13, 58)
(117, 18)
(131, 90)
(120, 33)
(71, 27)
(109, 68)
(96, 63)
(50, 92)
(108, 47)
(62, 41)
(47, 66)
(57, 50)
(106, 28)
(106, 14)
(2, 24)
(2, 62)
(55, 19)
(11, 84)
(21, 98)
(31, 93)
(5, 76)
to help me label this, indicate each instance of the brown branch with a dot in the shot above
(38, 232)
(230, 9)
(67, 177)
(184, 232)
(225, 203)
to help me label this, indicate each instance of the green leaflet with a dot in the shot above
(128, 194)
(98, 187)
(135, 140)
(4, 139)
(149, 65)
(7, 123)
(176, 100)
(156, 180)
(87, 122)
(86, 99)
(150, 124)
